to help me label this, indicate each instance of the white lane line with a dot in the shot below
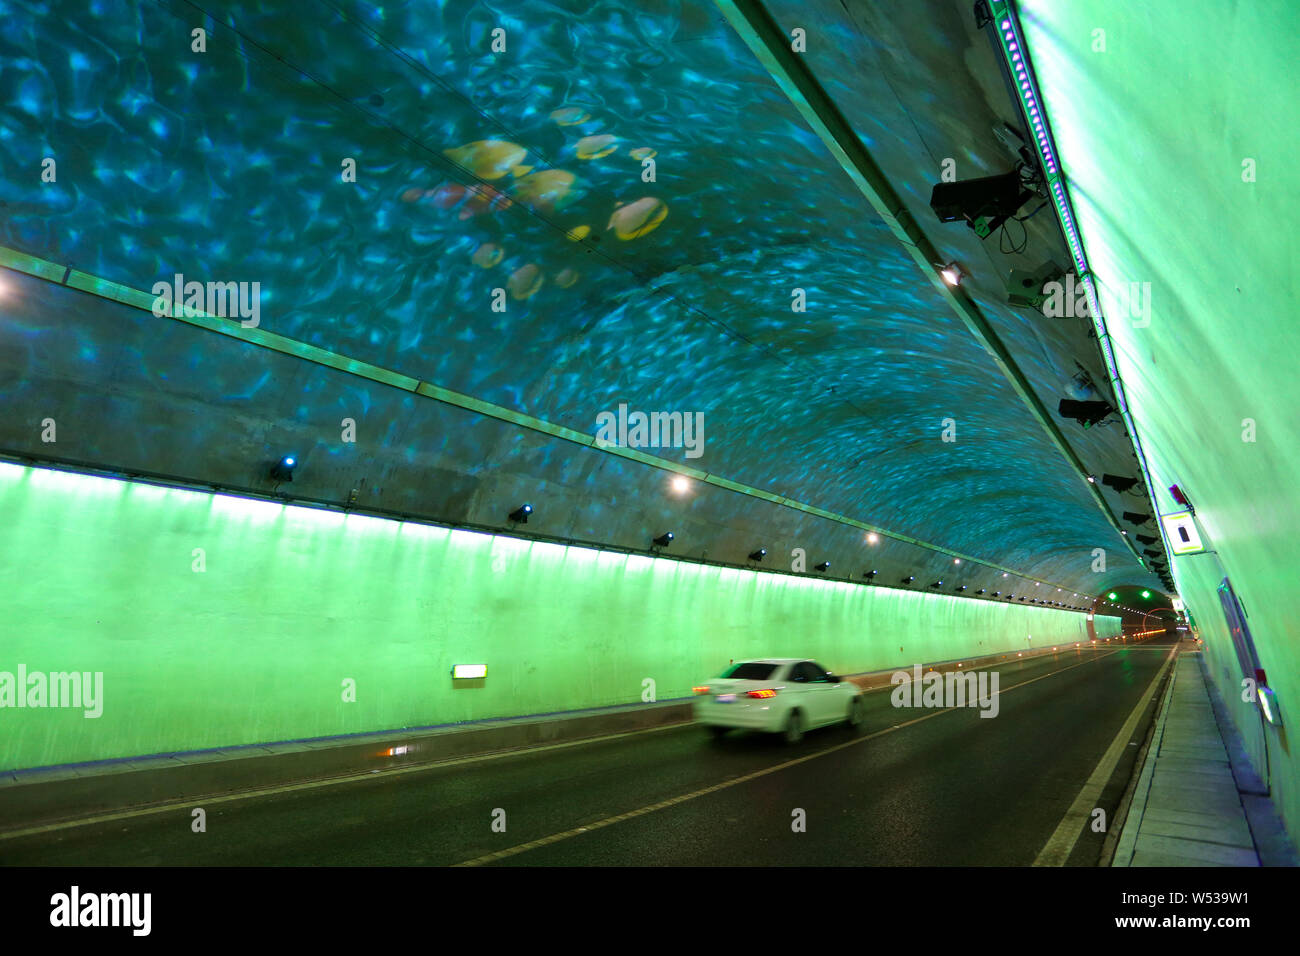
(1061, 843)
(726, 784)
(206, 801)
(983, 667)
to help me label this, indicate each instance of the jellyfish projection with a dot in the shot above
(487, 158)
(483, 199)
(445, 196)
(636, 219)
(596, 147)
(548, 191)
(525, 282)
(487, 255)
(570, 116)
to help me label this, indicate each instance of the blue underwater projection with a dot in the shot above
(556, 207)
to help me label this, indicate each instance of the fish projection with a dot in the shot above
(576, 204)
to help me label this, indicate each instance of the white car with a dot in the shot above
(779, 695)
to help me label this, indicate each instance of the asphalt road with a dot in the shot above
(912, 787)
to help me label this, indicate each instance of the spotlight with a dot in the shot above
(758, 555)
(872, 538)
(1118, 482)
(952, 273)
(908, 580)
(664, 539)
(1092, 479)
(282, 470)
(681, 484)
(520, 514)
(1086, 414)
(823, 567)
(980, 591)
(1133, 517)
(1146, 594)
(870, 575)
(962, 588)
(937, 584)
(983, 204)
(997, 594)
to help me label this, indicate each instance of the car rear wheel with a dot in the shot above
(794, 727)
(855, 712)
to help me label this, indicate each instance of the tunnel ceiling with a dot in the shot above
(522, 170)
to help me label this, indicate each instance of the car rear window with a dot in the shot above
(750, 671)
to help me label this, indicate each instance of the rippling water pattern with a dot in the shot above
(522, 171)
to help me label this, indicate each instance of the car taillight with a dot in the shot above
(700, 690)
(761, 693)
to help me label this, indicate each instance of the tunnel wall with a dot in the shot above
(219, 621)
(1209, 371)
(1266, 746)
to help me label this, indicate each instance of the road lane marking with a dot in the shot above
(206, 800)
(1061, 843)
(188, 803)
(975, 669)
(736, 781)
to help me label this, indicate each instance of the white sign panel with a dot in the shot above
(1181, 531)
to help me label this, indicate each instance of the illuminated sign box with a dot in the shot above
(1181, 531)
(469, 671)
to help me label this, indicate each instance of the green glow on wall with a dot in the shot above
(1184, 183)
(219, 620)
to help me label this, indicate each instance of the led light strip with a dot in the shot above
(1011, 41)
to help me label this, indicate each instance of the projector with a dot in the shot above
(984, 204)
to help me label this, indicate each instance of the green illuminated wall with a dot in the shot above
(1179, 141)
(99, 575)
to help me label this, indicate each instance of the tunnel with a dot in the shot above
(654, 433)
